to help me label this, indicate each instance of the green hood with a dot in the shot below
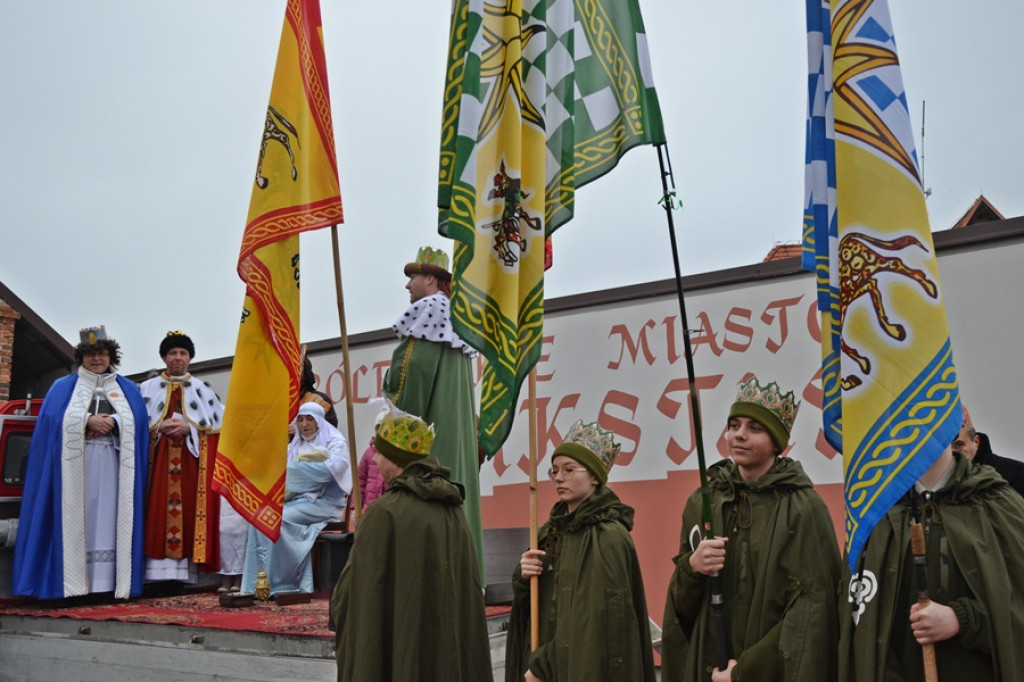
(784, 477)
(428, 480)
(970, 481)
(602, 506)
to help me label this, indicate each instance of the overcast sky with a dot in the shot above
(131, 129)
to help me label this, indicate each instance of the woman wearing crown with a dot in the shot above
(775, 549)
(597, 629)
(81, 516)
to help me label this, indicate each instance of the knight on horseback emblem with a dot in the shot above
(509, 242)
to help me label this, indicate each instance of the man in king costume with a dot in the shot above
(81, 515)
(409, 605)
(431, 375)
(182, 511)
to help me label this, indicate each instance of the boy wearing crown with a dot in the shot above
(431, 375)
(182, 510)
(593, 612)
(409, 604)
(775, 549)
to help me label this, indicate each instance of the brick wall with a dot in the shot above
(8, 316)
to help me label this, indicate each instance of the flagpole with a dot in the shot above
(917, 548)
(357, 497)
(534, 580)
(715, 586)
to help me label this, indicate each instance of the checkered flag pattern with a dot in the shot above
(591, 120)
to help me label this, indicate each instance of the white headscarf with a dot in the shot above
(327, 440)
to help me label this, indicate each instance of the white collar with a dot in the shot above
(429, 319)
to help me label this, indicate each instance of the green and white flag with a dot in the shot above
(541, 97)
(601, 100)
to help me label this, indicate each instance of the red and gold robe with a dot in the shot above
(182, 511)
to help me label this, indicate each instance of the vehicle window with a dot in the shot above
(15, 459)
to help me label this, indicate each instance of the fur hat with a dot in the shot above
(430, 261)
(768, 406)
(591, 446)
(177, 339)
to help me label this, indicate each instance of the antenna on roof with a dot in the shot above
(927, 190)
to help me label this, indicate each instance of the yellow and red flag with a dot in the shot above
(295, 189)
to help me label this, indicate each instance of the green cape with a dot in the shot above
(779, 582)
(980, 518)
(597, 629)
(409, 605)
(434, 381)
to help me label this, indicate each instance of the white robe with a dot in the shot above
(102, 492)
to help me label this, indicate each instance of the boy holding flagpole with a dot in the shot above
(776, 551)
(974, 548)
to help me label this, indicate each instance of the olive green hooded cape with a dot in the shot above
(597, 629)
(779, 582)
(409, 605)
(975, 560)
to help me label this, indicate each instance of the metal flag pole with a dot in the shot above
(357, 497)
(715, 581)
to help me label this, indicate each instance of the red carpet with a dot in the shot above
(201, 610)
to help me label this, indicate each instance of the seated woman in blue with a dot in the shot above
(317, 483)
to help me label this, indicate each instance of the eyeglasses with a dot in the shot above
(566, 472)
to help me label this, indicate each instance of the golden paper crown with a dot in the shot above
(429, 261)
(404, 438)
(591, 446)
(597, 440)
(428, 255)
(768, 406)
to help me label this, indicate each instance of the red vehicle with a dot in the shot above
(17, 420)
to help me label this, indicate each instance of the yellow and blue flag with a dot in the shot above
(540, 98)
(891, 402)
(295, 189)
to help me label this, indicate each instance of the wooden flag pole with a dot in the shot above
(357, 497)
(917, 548)
(534, 580)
